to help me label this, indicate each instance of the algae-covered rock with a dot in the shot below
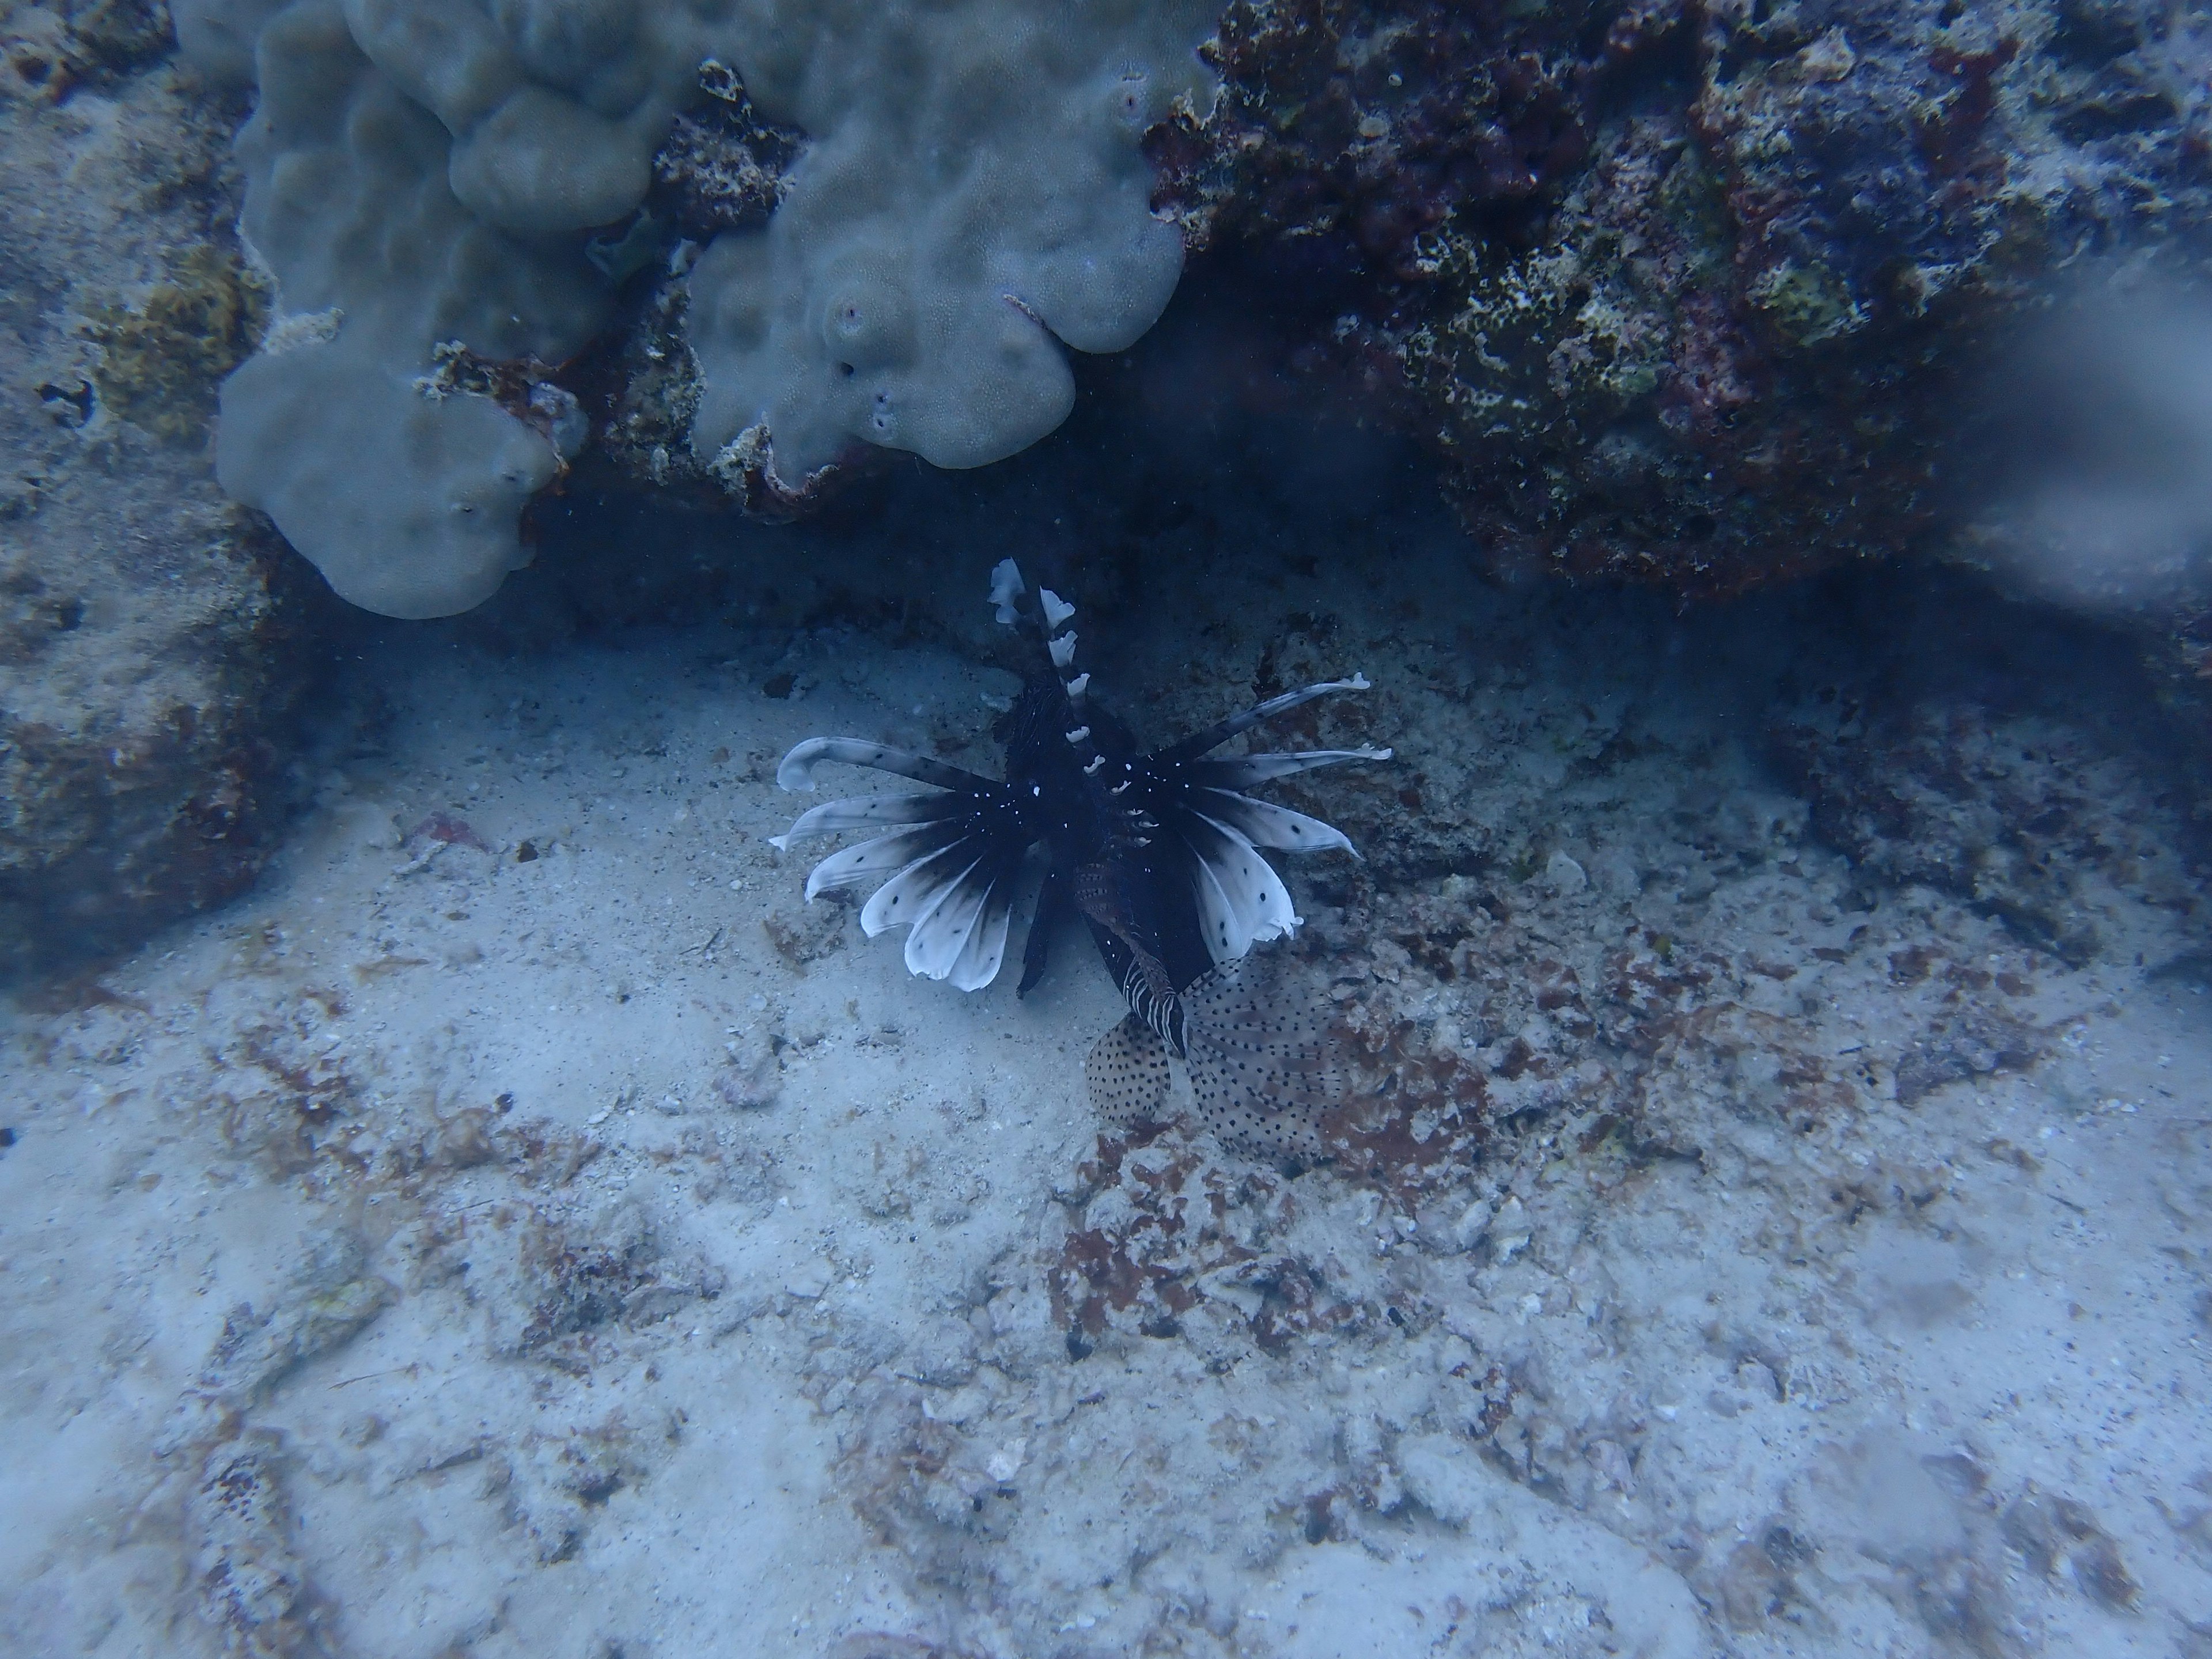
(1691, 293)
(148, 635)
(161, 359)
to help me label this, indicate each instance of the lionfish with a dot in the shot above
(1158, 853)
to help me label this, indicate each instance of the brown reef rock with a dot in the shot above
(1687, 290)
(150, 632)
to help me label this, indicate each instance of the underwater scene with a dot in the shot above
(993, 829)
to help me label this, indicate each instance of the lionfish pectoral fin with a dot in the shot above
(1214, 735)
(1265, 824)
(940, 940)
(977, 964)
(1264, 1066)
(1127, 1076)
(1052, 907)
(1238, 771)
(866, 811)
(796, 770)
(882, 857)
(1240, 897)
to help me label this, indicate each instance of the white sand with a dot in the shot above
(442, 1254)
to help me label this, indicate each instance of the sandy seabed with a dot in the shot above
(524, 1227)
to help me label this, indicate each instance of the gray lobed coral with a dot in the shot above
(974, 181)
(424, 177)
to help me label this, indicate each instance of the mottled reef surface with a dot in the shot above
(151, 633)
(1772, 1213)
(1771, 1221)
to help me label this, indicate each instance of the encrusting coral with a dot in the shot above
(1680, 292)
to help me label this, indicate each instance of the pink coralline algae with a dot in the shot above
(444, 826)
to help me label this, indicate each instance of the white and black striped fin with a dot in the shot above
(1236, 771)
(957, 906)
(1214, 735)
(868, 812)
(939, 935)
(917, 887)
(1263, 1067)
(1265, 824)
(886, 855)
(1241, 899)
(979, 960)
(1127, 1075)
(797, 769)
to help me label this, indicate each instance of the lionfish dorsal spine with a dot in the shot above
(1054, 612)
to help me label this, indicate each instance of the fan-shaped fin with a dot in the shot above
(978, 959)
(797, 769)
(937, 939)
(1228, 933)
(1127, 1075)
(1214, 735)
(914, 892)
(1241, 898)
(883, 856)
(1265, 824)
(1263, 1066)
(1236, 771)
(865, 811)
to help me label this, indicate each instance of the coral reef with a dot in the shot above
(1685, 292)
(149, 631)
(897, 301)
(420, 181)
(1679, 292)
(160, 359)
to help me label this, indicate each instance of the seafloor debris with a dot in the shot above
(445, 828)
(252, 1587)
